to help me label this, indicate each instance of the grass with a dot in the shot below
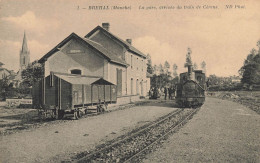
(250, 99)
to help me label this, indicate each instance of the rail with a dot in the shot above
(134, 143)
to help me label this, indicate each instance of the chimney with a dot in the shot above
(190, 71)
(105, 26)
(129, 41)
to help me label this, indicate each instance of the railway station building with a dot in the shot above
(102, 54)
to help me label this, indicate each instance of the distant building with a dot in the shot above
(8, 74)
(24, 58)
(3, 71)
(102, 54)
(235, 79)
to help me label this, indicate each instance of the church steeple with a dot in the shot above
(24, 46)
(24, 54)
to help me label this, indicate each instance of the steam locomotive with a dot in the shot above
(191, 88)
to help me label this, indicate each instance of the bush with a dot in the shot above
(226, 87)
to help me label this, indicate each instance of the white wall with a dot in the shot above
(137, 71)
(112, 75)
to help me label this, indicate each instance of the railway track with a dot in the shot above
(131, 147)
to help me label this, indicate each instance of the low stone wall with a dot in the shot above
(127, 99)
(123, 100)
(2, 103)
(22, 103)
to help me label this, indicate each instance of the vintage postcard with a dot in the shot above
(129, 80)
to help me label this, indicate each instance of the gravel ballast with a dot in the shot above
(222, 131)
(53, 143)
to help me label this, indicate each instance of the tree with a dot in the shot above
(188, 58)
(203, 66)
(33, 73)
(155, 70)
(251, 74)
(166, 68)
(161, 69)
(149, 64)
(174, 72)
(195, 66)
(250, 57)
(258, 44)
(4, 87)
(250, 71)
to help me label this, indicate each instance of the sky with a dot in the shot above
(221, 37)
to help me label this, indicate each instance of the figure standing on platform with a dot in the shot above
(165, 93)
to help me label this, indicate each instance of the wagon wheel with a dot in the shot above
(86, 110)
(98, 108)
(76, 114)
(40, 114)
(105, 106)
(59, 114)
(56, 113)
(80, 113)
(53, 114)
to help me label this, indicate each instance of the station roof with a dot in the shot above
(86, 80)
(125, 43)
(97, 47)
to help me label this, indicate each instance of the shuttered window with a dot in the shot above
(119, 82)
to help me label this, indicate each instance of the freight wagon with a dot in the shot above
(59, 94)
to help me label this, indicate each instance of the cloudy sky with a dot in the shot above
(221, 37)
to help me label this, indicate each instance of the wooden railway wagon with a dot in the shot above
(191, 88)
(59, 94)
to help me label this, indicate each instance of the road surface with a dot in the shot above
(222, 131)
(60, 141)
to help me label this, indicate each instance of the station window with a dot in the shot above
(199, 78)
(131, 61)
(132, 86)
(76, 71)
(137, 64)
(137, 87)
(142, 65)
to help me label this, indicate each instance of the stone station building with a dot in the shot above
(100, 53)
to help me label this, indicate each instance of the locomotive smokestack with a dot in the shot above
(190, 71)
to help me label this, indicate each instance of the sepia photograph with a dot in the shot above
(171, 81)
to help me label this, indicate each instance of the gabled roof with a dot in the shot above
(110, 55)
(79, 79)
(97, 47)
(128, 46)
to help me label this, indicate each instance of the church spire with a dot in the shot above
(24, 54)
(24, 46)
